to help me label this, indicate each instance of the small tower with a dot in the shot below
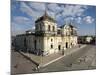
(45, 24)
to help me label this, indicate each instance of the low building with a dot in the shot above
(89, 39)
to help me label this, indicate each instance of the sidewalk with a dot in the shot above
(46, 60)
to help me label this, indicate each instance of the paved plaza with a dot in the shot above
(73, 59)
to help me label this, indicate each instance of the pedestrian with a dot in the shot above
(37, 68)
(70, 64)
(79, 46)
(63, 51)
(16, 66)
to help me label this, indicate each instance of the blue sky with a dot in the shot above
(24, 14)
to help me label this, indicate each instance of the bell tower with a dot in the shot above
(45, 24)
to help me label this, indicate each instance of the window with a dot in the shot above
(59, 32)
(53, 28)
(25, 42)
(49, 28)
(51, 46)
(35, 44)
(51, 40)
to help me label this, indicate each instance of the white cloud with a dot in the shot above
(78, 20)
(73, 10)
(54, 8)
(67, 12)
(21, 20)
(20, 24)
(72, 13)
(58, 16)
(50, 13)
(88, 19)
(37, 6)
(36, 10)
(16, 29)
(29, 11)
(69, 19)
(33, 27)
(26, 9)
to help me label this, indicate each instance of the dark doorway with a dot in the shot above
(59, 47)
(35, 44)
(51, 46)
(66, 44)
(24, 42)
(25, 45)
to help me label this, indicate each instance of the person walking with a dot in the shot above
(63, 51)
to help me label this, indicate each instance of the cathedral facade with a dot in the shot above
(47, 38)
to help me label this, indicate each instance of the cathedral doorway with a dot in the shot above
(66, 44)
(59, 47)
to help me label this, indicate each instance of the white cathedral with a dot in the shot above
(47, 38)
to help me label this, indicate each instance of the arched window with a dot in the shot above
(53, 28)
(51, 46)
(51, 40)
(48, 27)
